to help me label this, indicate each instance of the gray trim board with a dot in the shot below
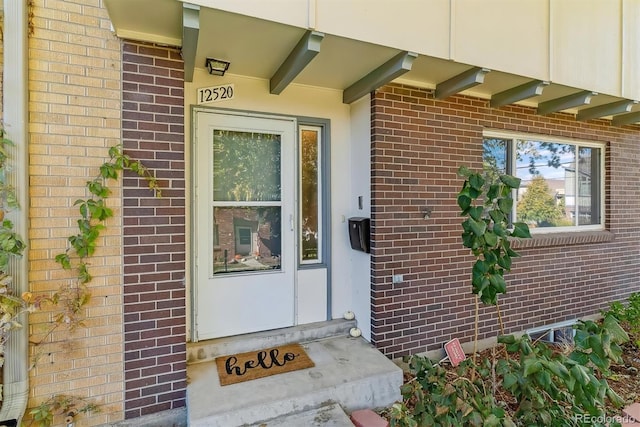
(301, 55)
(610, 109)
(518, 93)
(565, 102)
(393, 68)
(190, 33)
(465, 80)
(626, 119)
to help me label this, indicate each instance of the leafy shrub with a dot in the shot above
(538, 384)
(628, 314)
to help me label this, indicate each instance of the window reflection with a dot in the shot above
(246, 166)
(246, 239)
(310, 202)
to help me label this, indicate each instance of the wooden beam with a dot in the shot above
(565, 102)
(462, 81)
(626, 119)
(393, 68)
(518, 93)
(610, 109)
(301, 55)
(190, 33)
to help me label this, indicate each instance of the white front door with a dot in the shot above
(244, 237)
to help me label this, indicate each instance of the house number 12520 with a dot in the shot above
(215, 94)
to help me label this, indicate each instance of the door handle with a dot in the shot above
(291, 221)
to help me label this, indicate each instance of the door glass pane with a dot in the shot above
(246, 166)
(310, 202)
(248, 239)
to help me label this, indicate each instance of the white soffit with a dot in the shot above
(154, 21)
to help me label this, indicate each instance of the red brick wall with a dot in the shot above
(154, 231)
(418, 143)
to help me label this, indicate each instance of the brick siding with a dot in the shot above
(74, 118)
(154, 231)
(418, 143)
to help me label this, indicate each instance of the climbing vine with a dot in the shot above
(71, 299)
(94, 212)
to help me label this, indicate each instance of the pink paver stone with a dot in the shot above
(633, 411)
(367, 418)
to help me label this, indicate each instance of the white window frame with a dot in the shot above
(511, 151)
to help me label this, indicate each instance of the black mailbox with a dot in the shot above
(359, 233)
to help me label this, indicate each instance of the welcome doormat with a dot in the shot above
(251, 365)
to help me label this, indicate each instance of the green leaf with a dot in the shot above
(615, 399)
(491, 238)
(493, 191)
(509, 381)
(601, 362)
(64, 261)
(476, 213)
(505, 262)
(497, 216)
(506, 339)
(499, 230)
(464, 171)
(476, 181)
(464, 202)
(498, 283)
(510, 181)
(478, 227)
(580, 374)
(492, 421)
(611, 325)
(544, 379)
(505, 205)
(557, 368)
(520, 229)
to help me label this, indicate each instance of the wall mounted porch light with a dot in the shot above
(217, 67)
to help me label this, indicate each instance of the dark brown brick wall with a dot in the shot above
(418, 143)
(154, 231)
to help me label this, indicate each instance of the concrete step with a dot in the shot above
(206, 351)
(348, 371)
(330, 415)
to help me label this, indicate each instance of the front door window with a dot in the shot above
(246, 201)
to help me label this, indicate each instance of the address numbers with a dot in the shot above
(215, 94)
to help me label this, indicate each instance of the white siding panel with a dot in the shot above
(504, 35)
(291, 12)
(631, 50)
(414, 25)
(586, 44)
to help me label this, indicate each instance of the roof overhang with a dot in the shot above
(285, 54)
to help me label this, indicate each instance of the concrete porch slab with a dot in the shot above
(348, 371)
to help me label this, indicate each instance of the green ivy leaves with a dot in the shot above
(94, 212)
(486, 230)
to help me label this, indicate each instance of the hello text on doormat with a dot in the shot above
(251, 365)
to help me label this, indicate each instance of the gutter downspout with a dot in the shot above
(15, 103)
